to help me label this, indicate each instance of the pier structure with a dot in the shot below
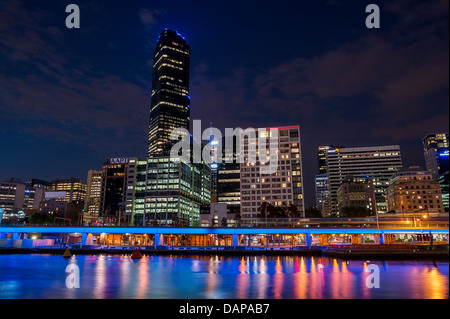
(30, 237)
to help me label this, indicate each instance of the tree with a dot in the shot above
(224, 222)
(196, 223)
(293, 211)
(263, 210)
(313, 212)
(349, 211)
(41, 219)
(237, 218)
(270, 211)
(174, 221)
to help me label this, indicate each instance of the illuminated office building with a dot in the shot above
(75, 189)
(37, 183)
(19, 196)
(228, 178)
(322, 192)
(436, 151)
(321, 180)
(322, 156)
(378, 163)
(214, 148)
(170, 100)
(444, 184)
(93, 194)
(117, 191)
(170, 191)
(12, 196)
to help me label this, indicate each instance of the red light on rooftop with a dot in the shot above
(283, 128)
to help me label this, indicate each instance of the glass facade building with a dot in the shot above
(228, 178)
(322, 192)
(436, 154)
(170, 100)
(117, 191)
(170, 191)
(93, 193)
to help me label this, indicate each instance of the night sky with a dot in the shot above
(70, 98)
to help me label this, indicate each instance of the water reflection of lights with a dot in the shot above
(243, 280)
(125, 272)
(278, 280)
(213, 279)
(143, 278)
(433, 284)
(109, 277)
(100, 277)
(263, 279)
(195, 265)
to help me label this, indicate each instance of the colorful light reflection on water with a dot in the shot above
(217, 277)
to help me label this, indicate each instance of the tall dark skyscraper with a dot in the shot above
(170, 102)
(436, 148)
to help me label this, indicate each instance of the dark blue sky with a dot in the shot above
(69, 99)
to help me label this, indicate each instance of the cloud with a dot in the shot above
(148, 17)
(393, 81)
(51, 98)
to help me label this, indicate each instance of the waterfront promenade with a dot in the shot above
(223, 238)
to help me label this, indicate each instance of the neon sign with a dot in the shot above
(118, 161)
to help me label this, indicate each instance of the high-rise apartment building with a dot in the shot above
(170, 101)
(33, 197)
(378, 163)
(282, 188)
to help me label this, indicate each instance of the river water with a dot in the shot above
(217, 277)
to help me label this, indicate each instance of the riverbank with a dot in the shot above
(169, 251)
(440, 253)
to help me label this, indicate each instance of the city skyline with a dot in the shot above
(64, 134)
